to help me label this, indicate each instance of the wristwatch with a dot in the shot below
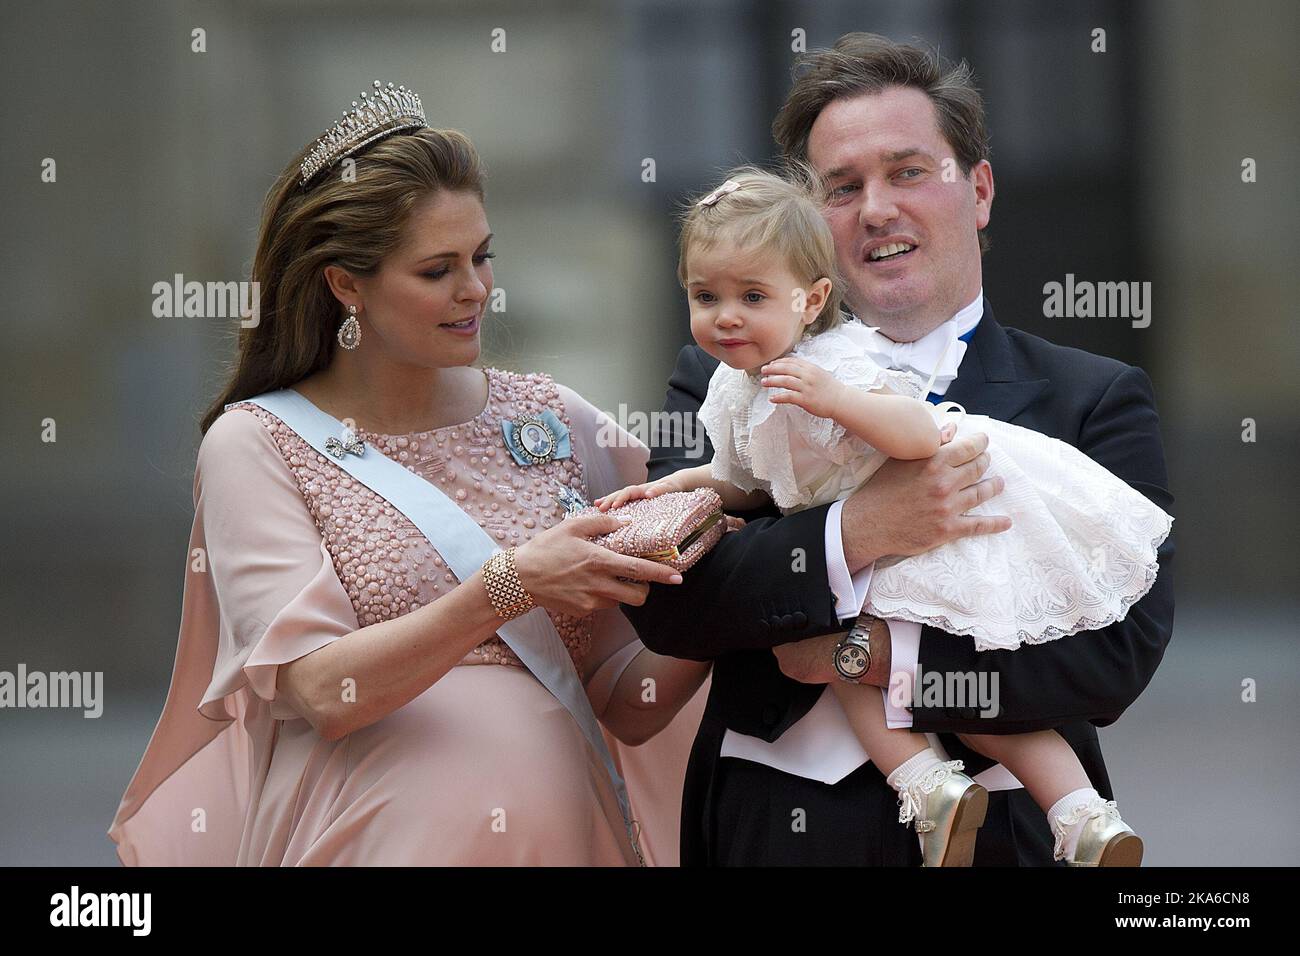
(853, 652)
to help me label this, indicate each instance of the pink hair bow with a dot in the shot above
(730, 186)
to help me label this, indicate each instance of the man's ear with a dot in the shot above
(981, 177)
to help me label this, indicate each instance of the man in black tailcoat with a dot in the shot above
(901, 138)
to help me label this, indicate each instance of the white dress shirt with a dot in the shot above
(821, 745)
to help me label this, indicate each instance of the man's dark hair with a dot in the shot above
(862, 63)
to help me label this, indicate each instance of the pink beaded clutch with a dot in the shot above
(677, 528)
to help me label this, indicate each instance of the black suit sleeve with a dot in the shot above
(1093, 675)
(761, 586)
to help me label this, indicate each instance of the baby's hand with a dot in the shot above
(632, 492)
(810, 387)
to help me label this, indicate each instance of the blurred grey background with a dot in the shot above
(1115, 166)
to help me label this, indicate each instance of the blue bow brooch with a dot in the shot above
(536, 439)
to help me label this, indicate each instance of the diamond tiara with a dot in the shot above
(388, 111)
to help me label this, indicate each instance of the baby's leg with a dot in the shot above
(1052, 774)
(1042, 761)
(947, 806)
(865, 709)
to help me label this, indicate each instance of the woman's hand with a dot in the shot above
(566, 572)
(810, 387)
(632, 492)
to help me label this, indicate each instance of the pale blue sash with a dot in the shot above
(464, 546)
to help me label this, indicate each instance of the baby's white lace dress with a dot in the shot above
(1080, 552)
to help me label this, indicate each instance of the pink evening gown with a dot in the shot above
(287, 554)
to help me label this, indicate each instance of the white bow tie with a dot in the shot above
(937, 354)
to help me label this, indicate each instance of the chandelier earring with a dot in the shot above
(350, 330)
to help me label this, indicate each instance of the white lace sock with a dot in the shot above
(912, 768)
(1068, 816)
(912, 780)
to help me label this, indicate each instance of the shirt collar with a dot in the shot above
(966, 318)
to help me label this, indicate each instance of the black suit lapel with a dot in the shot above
(986, 382)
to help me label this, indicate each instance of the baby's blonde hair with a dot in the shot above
(779, 214)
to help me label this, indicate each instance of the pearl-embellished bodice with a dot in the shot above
(385, 564)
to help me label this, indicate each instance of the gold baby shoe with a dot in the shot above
(1106, 840)
(954, 808)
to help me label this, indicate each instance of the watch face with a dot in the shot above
(851, 661)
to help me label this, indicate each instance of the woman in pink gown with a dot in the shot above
(339, 696)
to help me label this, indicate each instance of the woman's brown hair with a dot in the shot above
(353, 222)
